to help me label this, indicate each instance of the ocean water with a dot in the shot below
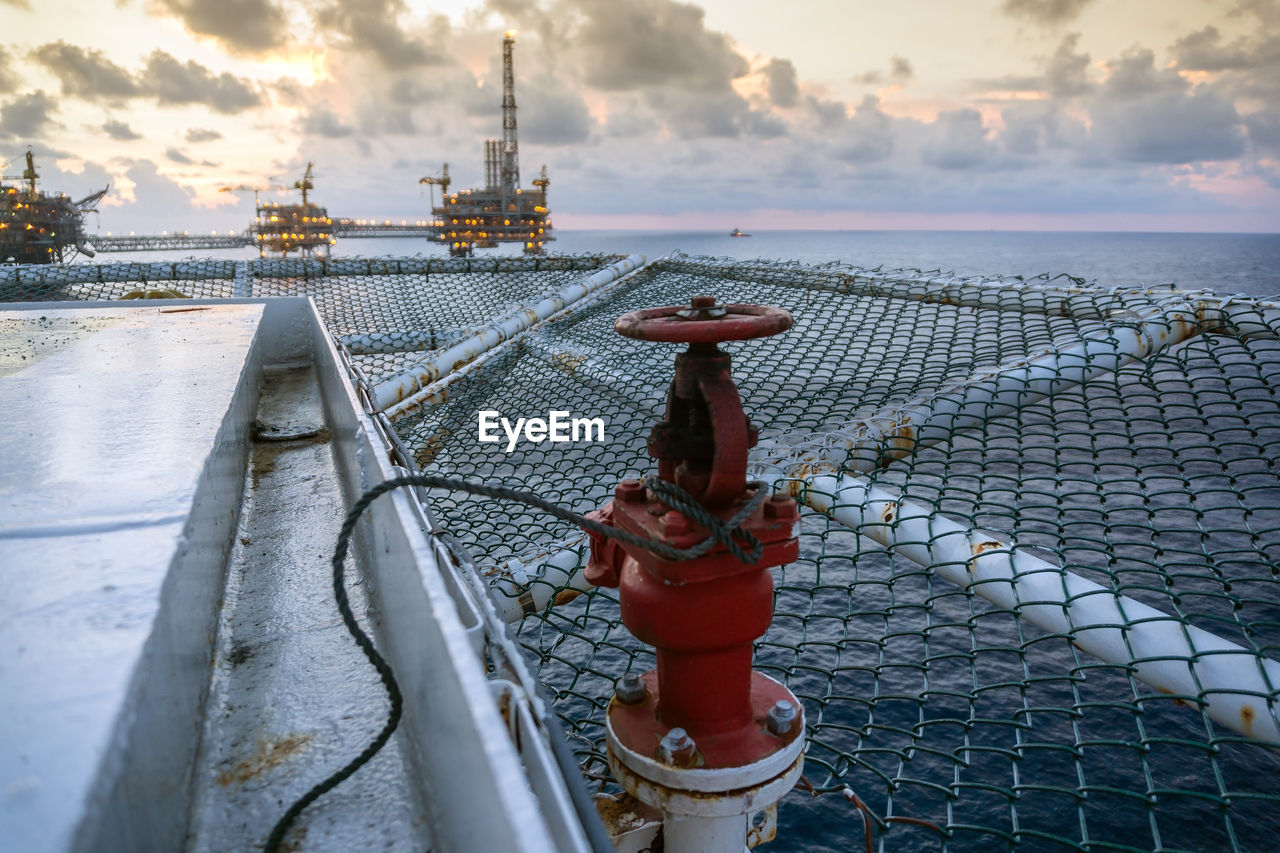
(1225, 263)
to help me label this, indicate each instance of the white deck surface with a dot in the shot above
(109, 424)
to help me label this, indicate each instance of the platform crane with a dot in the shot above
(304, 183)
(28, 174)
(260, 188)
(442, 180)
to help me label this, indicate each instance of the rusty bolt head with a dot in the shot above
(676, 747)
(704, 301)
(630, 689)
(780, 717)
(780, 506)
(629, 491)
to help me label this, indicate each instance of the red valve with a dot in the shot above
(701, 615)
(703, 321)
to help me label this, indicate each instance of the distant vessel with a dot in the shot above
(738, 232)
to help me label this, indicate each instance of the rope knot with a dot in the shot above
(728, 533)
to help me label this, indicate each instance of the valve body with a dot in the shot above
(701, 726)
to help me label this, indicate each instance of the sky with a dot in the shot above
(1133, 115)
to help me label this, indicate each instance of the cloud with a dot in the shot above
(247, 26)
(1247, 67)
(202, 134)
(1151, 115)
(552, 114)
(372, 26)
(1267, 12)
(174, 82)
(181, 158)
(1135, 75)
(867, 137)
(900, 71)
(323, 122)
(27, 116)
(1203, 50)
(156, 198)
(634, 44)
(9, 79)
(1045, 12)
(828, 113)
(119, 130)
(1264, 129)
(86, 72)
(1170, 128)
(781, 83)
(1035, 129)
(958, 140)
(1064, 74)
(690, 115)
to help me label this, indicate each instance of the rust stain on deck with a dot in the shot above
(268, 754)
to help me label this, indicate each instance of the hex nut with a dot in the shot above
(675, 524)
(780, 506)
(629, 491)
(780, 717)
(630, 689)
(676, 746)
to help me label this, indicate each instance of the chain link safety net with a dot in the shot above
(1036, 603)
(385, 311)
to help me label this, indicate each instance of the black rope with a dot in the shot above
(722, 532)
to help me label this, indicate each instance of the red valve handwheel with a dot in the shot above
(738, 322)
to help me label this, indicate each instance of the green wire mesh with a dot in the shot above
(956, 724)
(936, 720)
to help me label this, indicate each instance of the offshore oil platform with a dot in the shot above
(37, 227)
(40, 228)
(283, 228)
(501, 212)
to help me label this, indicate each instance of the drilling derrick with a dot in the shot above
(502, 211)
(38, 227)
(510, 146)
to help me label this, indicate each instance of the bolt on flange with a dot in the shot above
(780, 717)
(676, 747)
(630, 689)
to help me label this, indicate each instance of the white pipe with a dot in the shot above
(895, 432)
(437, 392)
(1237, 687)
(516, 593)
(403, 385)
